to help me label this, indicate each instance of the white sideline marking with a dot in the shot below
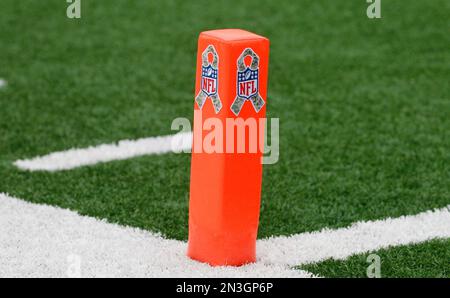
(361, 237)
(44, 241)
(3, 83)
(74, 158)
(40, 241)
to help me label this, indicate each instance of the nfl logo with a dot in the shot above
(209, 80)
(248, 83)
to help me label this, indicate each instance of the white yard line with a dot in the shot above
(3, 83)
(74, 158)
(44, 241)
(359, 238)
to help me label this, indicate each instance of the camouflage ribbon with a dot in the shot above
(256, 99)
(202, 95)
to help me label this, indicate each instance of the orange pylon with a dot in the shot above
(225, 188)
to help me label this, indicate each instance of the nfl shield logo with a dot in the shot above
(209, 80)
(248, 83)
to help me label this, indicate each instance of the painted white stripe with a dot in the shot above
(44, 241)
(3, 83)
(359, 238)
(74, 158)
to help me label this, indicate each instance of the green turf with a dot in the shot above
(420, 260)
(363, 106)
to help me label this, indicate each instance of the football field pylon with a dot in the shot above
(225, 187)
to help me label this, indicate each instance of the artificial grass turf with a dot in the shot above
(363, 106)
(423, 260)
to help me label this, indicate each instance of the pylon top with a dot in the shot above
(232, 35)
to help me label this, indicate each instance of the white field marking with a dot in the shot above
(361, 237)
(74, 158)
(3, 83)
(40, 241)
(44, 241)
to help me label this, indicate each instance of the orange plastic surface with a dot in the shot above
(225, 188)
